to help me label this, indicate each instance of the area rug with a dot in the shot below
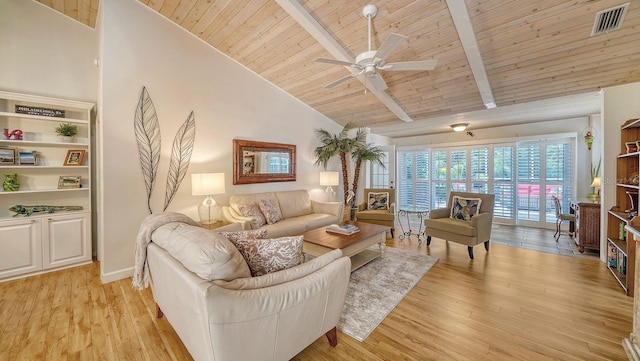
(376, 289)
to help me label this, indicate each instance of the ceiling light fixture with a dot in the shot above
(459, 127)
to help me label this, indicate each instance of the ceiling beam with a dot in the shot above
(302, 17)
(461, 19)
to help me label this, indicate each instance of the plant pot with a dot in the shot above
(67, 139)
(11, 183)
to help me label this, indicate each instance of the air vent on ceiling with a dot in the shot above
(609, 20)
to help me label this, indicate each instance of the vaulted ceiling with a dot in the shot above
(538, 57)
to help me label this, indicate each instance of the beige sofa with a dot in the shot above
(270, 317)
(299, 212)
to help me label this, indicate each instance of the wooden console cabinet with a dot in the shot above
(586, 228)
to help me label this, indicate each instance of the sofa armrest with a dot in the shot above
(482, 222)
(287, 275)
(439, 213)
(232, 216)
(362, 206)
(333, 208)
(257, 303)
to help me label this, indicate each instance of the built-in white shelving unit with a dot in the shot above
(44, 241)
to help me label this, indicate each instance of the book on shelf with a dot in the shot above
(343, 228)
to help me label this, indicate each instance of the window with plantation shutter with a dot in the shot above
(528, 197)
(413, 187)
(504, 181)
(523, 176)
(439, 179)
(479, 172)
(458, 170)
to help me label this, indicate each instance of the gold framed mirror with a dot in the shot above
(261, 162)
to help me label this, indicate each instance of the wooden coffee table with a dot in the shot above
(318, 242)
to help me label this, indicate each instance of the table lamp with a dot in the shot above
(207, 184)
(329, 179)
(596, 186)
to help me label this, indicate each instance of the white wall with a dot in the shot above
(142, 48)
(45, 53)
(573, 126)
(619, 104)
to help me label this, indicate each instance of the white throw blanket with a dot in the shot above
(148, 225)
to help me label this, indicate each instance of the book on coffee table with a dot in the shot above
(347, 229)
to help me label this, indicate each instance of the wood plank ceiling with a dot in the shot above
(532, 50)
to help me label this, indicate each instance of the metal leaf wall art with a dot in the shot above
(147, 132)
(180, 157)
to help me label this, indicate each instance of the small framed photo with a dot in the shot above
(7, 156)
(28, 158)
(74, 157)
(69, 181)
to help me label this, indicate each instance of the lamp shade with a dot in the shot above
(329, 179)
(459, 127)
(596, 182)
(204, 184)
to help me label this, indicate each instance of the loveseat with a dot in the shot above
(298, 212)
(229, 315)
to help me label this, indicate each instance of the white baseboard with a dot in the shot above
(117, 275)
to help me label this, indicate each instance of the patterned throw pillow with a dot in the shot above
(270, 255)
(245, 235)
(465, 208)
(271, 213)
(378, 201)
(252, 210)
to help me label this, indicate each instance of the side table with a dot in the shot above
(420, 213)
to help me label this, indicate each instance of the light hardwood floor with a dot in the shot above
(508, 304)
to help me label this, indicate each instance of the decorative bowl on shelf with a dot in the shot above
(631, 147)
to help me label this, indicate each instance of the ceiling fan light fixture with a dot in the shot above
(459, 127)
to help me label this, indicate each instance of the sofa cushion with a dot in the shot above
(272, 254)
(317, 220)
(270, 211)
(209, 255)
(464, 208)
(378, 201)
(286, 227)
(294, 203)
(380, 215)
(237, 199)
(252, 210)
(457, 226)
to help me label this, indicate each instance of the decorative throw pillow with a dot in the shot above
(252, 210)
(271, 213)
(271, 255)
(378, 201)
(245, 235)
(464, 208)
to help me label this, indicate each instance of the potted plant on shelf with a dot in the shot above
(67, 132)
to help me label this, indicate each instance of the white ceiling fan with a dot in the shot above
(370, 61)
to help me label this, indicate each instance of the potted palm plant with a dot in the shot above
(338, 144)
(67, 132)
(364, 153)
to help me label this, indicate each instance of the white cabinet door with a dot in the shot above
(20, 247)
(66, 239)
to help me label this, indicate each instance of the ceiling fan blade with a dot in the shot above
(342, 80)
(378, 83)
(389, 45)
(410, 65)
(334, 61)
